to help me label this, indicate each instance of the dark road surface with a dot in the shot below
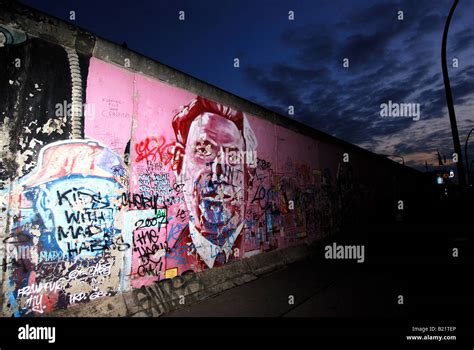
(323, 288)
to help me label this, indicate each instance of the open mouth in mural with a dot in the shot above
(215, 221)
(215, 202)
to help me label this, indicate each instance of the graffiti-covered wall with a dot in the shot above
(111, 179)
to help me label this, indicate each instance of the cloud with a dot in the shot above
(389, 60)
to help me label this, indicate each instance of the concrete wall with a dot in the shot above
(118, 172)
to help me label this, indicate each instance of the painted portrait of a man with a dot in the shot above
(214, 155)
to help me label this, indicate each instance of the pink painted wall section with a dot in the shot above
(152, 176)
(109, 101)
(191, 205)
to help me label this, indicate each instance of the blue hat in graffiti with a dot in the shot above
(73, 157)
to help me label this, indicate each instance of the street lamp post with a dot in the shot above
(470, 169)
(449, 99)
(469, 180)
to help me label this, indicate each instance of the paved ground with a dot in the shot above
(323, 288)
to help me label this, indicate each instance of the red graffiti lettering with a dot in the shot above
(153, 149)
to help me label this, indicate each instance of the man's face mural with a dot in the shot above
(213, 168)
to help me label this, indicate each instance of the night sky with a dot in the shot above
(299, 62)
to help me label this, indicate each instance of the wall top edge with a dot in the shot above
(37, 24)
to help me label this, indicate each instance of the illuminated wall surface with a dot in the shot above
(111, 180)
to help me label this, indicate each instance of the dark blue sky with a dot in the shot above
(299, 62)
